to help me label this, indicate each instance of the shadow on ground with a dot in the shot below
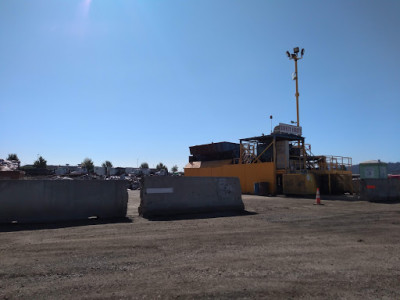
(385, 201)
(10, 227)
(350, 198)
(200, 216)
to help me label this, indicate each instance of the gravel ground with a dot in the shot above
(281, 248)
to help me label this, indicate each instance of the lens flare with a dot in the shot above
(86, 7)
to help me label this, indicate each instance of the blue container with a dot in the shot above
(257, 188)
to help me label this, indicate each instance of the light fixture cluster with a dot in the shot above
(295, 54)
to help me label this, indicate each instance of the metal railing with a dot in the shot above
(337, 163)
(247, 153)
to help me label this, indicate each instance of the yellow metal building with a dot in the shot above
(281, 161)
(249, 174)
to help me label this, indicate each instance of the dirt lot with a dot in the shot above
(282, 248)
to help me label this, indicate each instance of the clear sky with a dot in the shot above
(141, 81)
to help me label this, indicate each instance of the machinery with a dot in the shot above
(280, 162)
(281, 159)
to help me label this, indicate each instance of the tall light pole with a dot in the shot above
(295, 57)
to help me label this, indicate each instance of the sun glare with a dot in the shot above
(85, 7)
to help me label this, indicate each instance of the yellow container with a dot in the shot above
(299, 184)
(248, 174)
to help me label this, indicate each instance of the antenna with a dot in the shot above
(271, 122)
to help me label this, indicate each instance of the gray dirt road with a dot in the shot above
(283, 248)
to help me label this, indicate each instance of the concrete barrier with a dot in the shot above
(33, 201)
(380, 189)
(180, 195)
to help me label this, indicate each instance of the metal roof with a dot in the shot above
(277, 136)
(213, 148)
(372, 162)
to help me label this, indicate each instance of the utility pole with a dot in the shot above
(295, 57)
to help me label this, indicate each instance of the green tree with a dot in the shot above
(161, 166)
(174, 169)
(40, 163)
(144, 165)
(13, 156)
(88, 165)
(107, 164)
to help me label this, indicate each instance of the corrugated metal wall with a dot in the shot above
(248, 174)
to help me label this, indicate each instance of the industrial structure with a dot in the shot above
(274, 164)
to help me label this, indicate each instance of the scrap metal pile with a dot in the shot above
(8, 165)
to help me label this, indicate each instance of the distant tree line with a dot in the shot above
(87, 163)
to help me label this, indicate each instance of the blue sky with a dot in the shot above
(134, 81)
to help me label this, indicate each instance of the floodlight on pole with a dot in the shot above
(295, 57)
(271, 122)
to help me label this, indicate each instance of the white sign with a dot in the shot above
(160, 190)
(289, 129)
